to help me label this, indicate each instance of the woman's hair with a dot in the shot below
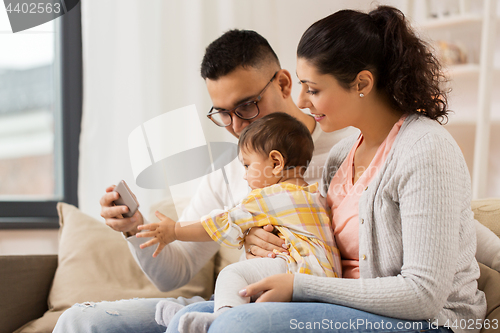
(347, 42)
(282, 132)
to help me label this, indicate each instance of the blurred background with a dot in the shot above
(141, 59)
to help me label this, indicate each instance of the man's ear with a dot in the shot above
(284, 79)
(278, 162)
(364, 82)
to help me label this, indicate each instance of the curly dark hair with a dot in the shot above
(282, 132)
(405, 70)
(233, 49)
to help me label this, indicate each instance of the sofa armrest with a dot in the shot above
(25, 282)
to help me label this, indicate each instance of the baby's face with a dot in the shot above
(258, 169)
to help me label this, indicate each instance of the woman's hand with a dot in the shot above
(276, 288)
(260, 242)
(163, 233)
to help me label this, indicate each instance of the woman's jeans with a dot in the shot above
(301, 317)
(137, 316)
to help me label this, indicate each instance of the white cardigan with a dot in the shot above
(417, 237)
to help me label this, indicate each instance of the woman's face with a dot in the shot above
(333, 106)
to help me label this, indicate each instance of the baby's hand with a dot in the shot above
(163, 233)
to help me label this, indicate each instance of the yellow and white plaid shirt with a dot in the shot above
(298, 212)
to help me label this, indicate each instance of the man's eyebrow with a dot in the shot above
(246, 99)
(239, 102)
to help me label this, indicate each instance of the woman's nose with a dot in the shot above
(303, 101)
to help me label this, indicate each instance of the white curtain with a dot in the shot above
(142, 58)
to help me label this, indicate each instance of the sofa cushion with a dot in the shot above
(489, 283)
(226, 256)
(22, 299)
(95, 265)
(487, 211)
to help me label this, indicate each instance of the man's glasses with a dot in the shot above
(245, 111)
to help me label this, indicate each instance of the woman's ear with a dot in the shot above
(364, 82)
(284, 79)
(277, 161)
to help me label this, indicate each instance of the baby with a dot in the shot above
(275, 151)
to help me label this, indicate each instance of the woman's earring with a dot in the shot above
(361, 95)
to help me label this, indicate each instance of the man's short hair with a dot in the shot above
(233, 49)
(282, 132)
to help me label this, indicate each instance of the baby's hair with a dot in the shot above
(382, 41)
(282, 132)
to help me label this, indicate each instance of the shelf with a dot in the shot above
(474, 31)
(453, 120)
(451, 21)
(456, 71)
(467, 70)
(460, 122)
(462, 70)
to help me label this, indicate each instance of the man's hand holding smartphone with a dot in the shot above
(115, 213)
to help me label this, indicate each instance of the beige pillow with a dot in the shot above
(487, 211)
(489, 283)
(226, 256)
(95, 264)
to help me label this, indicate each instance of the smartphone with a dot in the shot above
(126, 198)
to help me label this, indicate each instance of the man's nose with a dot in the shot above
(239, 125)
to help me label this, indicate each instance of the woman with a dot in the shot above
(399, 193)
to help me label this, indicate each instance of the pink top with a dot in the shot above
(343, 198)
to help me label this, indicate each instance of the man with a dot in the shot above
(245, 82)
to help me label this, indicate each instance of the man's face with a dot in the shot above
(243, 85)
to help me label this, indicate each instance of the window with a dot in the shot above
(40, 114)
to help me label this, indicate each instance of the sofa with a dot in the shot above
(94, 264)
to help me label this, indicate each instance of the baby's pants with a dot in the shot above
(237, 276)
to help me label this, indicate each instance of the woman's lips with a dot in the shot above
(318, 117)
